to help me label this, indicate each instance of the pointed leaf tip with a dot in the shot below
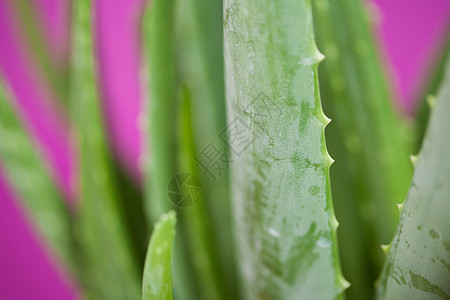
(431, 101)
(400, 206)
(413, 159)
(386, 248)
(157, 278)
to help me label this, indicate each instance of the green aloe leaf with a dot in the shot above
(367, 139)
(201, 242)
(32, 29)
(110, 270)
(423, 113)
(27, 172)
(157, 279)
(158, 39)
(161, 166)
(285, 224)
(418, 265)
(199, 32)
(172, 152)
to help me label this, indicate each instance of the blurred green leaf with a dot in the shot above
(201, 243)
(38, 45)
(172, 152)
(199, 32)
(418, 265)
(157, 279)
(367, 138)
(110, 267)
(27, 172)
(423, 113)
(161, 152)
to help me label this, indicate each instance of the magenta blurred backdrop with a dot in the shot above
(410, 33)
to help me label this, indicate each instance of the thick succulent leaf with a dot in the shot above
(366, 138)
(27, 172)
(157, 279)
(418, 265)
(109, 268)
(285, 225)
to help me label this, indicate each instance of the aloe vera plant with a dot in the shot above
(285, 223)
(157, 279)
(418, 264)
(286, 234)
(367, 138)
(26, 171)
(109, 270)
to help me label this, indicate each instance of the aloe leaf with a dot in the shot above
(424, 110)
(34, 35)
(109, 270)
(158, 40)
(30, 176)
(367, 138)
(285, 224)
(172, 152)
(201, 242)
(418, 265)
(199, 32)
(161, 166)
(157, 279)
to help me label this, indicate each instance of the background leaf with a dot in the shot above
(157, 279)
(367, 138)
(199, 32)
(418, 265)
(424, 111)
(172, 152)
(30, 177)
(110, 267)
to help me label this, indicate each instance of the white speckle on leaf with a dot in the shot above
(273, 232)
(323, 242)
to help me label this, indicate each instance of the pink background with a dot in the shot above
(410, 32)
